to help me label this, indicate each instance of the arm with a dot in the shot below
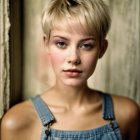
(11, 130)
(7, 129)
(134, 124)
(127, 114)
(17, 123)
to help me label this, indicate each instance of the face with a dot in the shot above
(73, 54)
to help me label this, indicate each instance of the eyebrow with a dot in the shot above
(60, 37)
(88, 38)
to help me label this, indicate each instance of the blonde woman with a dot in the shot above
(75, 39)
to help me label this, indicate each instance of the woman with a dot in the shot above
(75, 39)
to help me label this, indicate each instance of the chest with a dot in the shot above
(76, 129)
(105, 132)
(78, 122)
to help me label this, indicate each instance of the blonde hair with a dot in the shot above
(93, 15)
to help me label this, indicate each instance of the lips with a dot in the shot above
(72, 72)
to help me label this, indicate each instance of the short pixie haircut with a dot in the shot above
(93, 16)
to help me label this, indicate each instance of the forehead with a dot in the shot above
(73, 25)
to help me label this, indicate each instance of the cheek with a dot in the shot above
(57, 58)
(92, 61)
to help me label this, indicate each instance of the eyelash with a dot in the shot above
(85, 46)
(61, 44)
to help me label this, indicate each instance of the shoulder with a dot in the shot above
(19, 118)
(17, 115)
(126, 107)
(127, 112)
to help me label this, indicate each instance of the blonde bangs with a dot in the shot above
(92, 17)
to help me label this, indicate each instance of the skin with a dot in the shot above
(84, 105)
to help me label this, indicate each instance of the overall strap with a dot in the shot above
(42, 110)
(108, 108)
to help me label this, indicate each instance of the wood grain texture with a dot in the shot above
(124, 62)
(4, 57)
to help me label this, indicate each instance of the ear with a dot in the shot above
(104, 45)
(46, 43)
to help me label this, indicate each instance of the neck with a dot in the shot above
(71, 95)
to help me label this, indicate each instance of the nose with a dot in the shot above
(74, 57)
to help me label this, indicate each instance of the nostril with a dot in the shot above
(75, 62)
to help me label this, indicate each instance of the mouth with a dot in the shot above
(72, 72)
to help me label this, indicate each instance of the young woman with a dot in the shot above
(75, 39)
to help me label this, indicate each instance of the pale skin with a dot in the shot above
(74, 105)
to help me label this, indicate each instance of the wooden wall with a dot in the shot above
(4, 57)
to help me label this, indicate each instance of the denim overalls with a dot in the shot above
(110, 131)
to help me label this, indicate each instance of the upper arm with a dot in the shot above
(134, 122)
(127, 113)
(7, 128)
(15, 124)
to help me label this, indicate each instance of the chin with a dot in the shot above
(73, 82)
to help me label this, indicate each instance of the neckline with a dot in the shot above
(109, 127)
(47, 116)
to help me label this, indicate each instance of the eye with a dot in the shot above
(61, 44)
(86, 46)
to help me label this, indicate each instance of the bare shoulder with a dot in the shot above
(126, 107)
(127, 112)
(19, 118)
(17, 115)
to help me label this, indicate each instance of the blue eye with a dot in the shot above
(86, 46)
(61, 44)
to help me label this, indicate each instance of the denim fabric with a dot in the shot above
(110, 131)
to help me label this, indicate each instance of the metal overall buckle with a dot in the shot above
(47, 131)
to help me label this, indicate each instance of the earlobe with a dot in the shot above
(45, 41)
(104, 45)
